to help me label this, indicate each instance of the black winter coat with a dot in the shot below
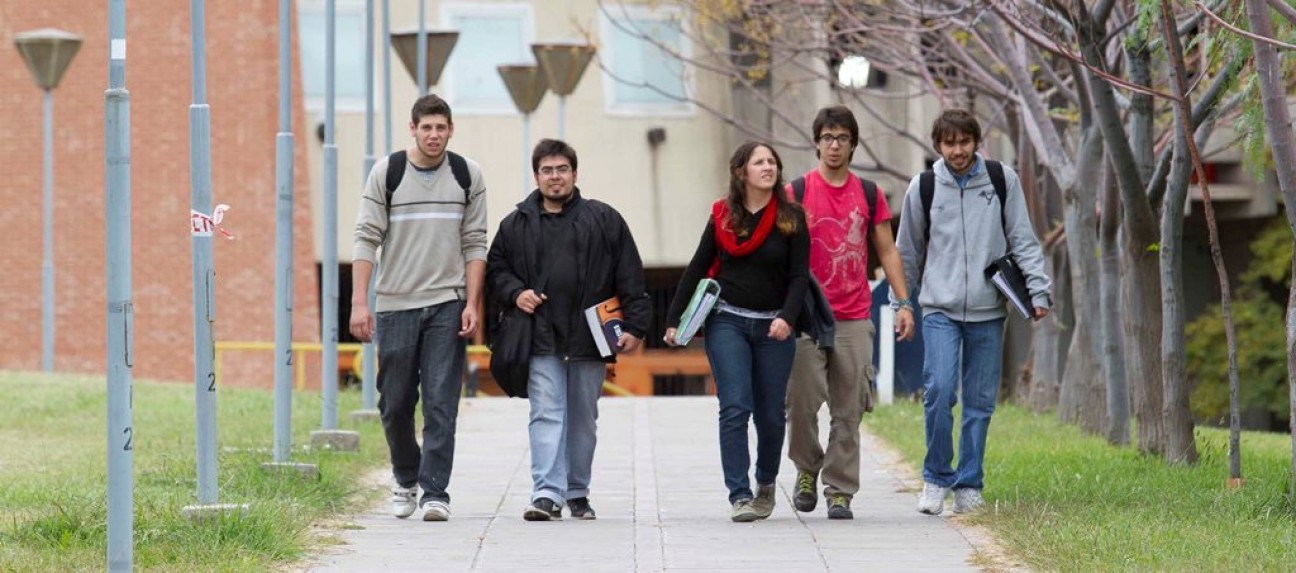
(607, 259)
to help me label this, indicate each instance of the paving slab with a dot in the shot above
(661, 503)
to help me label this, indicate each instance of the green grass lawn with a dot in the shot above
(53, 509)
(1062, 501)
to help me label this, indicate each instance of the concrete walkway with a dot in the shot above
(661, 506)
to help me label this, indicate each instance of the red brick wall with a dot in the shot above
(242, 84)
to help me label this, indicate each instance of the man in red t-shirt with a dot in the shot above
(839, 218)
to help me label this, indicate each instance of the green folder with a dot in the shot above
(704, 299)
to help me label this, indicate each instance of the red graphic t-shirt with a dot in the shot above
(838, 219)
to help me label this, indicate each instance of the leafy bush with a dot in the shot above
(1258, 311)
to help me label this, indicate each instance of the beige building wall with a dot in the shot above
(665, 210)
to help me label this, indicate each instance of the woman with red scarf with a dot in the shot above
(757, 247)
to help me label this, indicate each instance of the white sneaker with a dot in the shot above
(967, 500)
(404, 501)
(436, 511)
(932, 500)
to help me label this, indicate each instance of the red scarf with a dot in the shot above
(727, 239)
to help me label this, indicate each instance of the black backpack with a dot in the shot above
(458, 166)
(870, 197)
(927, 190)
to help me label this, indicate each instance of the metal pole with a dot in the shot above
(204, 273)
(526, 154)
(368, 386)
(47, 266)
(120, 320)
(422, 50)
(328, 420)
(387, 102)
(562, 118)
(283, 244)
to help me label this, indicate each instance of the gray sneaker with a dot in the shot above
(806, 498)
(436, 511)
(404, 501)
(932, 500)
(763, 505)
(743, 512)
(967, 500)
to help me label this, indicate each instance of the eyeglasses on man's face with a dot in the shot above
(550, 170)
(842, 139)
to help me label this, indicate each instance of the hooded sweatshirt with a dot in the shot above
(967, 234)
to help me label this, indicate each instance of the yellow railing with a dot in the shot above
(299, 349)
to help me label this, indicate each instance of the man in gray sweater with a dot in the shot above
(946, 245)
(426, 207)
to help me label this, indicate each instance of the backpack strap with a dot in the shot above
(396, 172)
(798, 189)
(459, 167)
(927, 190)
(870, 199)
(996, 172)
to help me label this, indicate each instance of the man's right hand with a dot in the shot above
(362, 322)
(528, 301)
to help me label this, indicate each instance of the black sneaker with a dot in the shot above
(839, 507)
(580, 508)
(543, 509)
(805, 498)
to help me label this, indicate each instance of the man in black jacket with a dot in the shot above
(553, 257)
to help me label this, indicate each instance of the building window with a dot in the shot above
(489, 35)
(641, 53)
(348, 55)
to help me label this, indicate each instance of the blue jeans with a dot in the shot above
(751, 376)
(974, 349)
(564, 418)
(420, 352)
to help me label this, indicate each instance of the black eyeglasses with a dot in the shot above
(842, 140)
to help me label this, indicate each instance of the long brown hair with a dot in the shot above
(788, 211)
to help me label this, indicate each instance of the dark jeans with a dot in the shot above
(420, 352)
(751, 376)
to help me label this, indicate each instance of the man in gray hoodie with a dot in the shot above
(946, 247)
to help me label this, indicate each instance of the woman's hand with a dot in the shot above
(670, 337)
(779, 330)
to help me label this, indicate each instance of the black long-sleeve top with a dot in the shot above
(773, 277)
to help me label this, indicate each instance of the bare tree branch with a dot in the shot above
(1241, 32)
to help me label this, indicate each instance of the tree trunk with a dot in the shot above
(1052, 339)
(1282, 142)
(1083, 396)
(1174, 372)
(1140, 288)
(1113, 349)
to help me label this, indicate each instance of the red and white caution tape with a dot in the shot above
(201, 225)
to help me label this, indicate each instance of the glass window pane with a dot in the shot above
(641, 63)
(348, 59)
(484, 43)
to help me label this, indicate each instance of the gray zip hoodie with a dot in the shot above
(967, 234)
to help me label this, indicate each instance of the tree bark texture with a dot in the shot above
(1282, 142)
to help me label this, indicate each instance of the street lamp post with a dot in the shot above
(48, 53)
(329, 436)
(427, 59)
(563, 63)
(527, 86)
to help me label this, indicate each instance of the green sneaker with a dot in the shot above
(763, 505)
(805, 498)
(839, 507)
